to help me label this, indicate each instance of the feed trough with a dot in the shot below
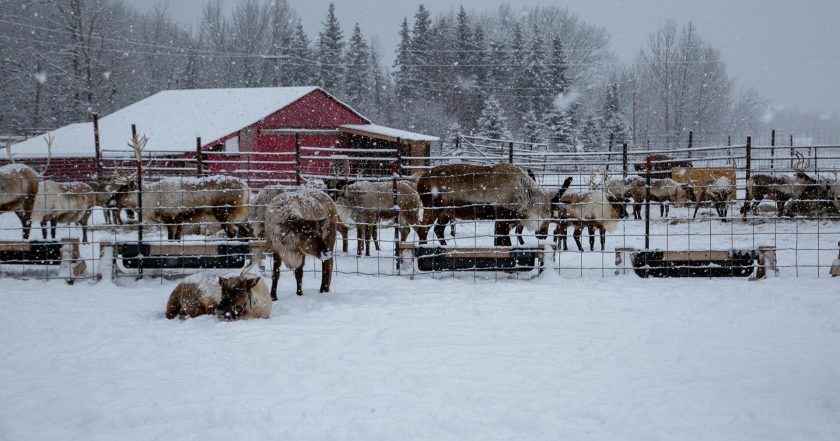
(435, 258)
(163, 256)
(713, 263)
(64, 254)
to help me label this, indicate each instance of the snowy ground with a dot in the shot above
(386, 358)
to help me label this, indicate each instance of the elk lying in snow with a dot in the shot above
(368, 203)
(717, 192)
(242, 296)
(664, 191)
(592, 210)
(175, 201)
(502, 192)
(298, 223)
(63, 203)
(18, 189)
(759, 187)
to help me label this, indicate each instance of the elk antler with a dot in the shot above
(802, 163)
(49, 140)
(9, 143)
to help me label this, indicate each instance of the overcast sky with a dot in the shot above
(788, 50)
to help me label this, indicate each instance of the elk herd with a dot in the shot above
(296, 223)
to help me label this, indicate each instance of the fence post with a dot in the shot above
(399, 157)
(731, 160)
(139, 207)
(510, 152)
(198, 160)
(815, 159)
(396, 199)
(749, 157)
(609, 150)
(772, 149)
(457, 143)
(297, 159)
(624, 160)
(690, 142)
(792, 154)
(98, 151)
(647, 202)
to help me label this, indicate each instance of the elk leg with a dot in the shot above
(374, 233)
(368, 228)
(502, 233)
(326, 275)
(84, 223)
(53, 227)
(443, 220)
(429, 216)
(343, 230)
(360, 239)
(519, 229)
(591, 230)
(696, 207)
(404, 232)
(44, 223)
(603, 232)
(299, 276)
(275, 274)
(637, 210)
(576, 235)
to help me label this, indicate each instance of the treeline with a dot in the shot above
(538, 75)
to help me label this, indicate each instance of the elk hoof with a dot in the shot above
(300, 293)
(273, 298)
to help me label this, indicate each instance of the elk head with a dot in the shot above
(556, 202)
(236, 295)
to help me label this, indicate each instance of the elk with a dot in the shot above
(63, 203)
(716, 192)
(367, 203)
(300, 223)
(502, 192)
(235, 297)
(592, 210)
(333, 185)
(621, 191)
(660, 165)
(663, 191)
(18, 189)
(760, 187)
(811, 197)
(259, 207)
(176, 201)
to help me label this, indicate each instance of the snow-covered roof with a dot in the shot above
(171, 120)
(385, 133)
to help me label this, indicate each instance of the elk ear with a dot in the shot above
(223, 282)
(322, 223)
(250, 283)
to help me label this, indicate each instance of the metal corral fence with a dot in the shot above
(803, 243)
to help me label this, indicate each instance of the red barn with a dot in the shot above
(256, 133)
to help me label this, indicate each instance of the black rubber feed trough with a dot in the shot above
(38, 253)
(476, 259)
(171, 256)
(726, 263)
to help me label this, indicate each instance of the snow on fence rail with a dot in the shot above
(805, 245)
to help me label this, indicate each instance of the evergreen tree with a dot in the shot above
(590, 134)
(465, 44)
(533, 128)
(357, 70)
(559, 129)
(536, 76)
(403, 64)
(330, 49)
(613, 120)
(301, 55)
(499, 75)
(558, 70)
(492, 123)
(422, 48)
(517, 71)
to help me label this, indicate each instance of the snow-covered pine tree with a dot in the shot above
(590, 134)
(519, 100)
(533, 129)
(559, 67)
(276, 70)
(464, 44)
(492, 123)
(404, 68)
(330, 50)
(559, 129)
(304, 68)
(613, 120)
(537, 82)
(357, 70)
(422, 48)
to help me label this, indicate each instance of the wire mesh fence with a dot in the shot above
(199, 210)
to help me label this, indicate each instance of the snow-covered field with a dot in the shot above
(388, 358)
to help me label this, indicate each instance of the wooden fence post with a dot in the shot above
(772, 149)
(609, 150)
(298, 179)
(792, 153)
(96, 146)
(398, 162)
(199, 166)
(647, 202)
(510, 152)
(624, 160)
(139, 207)
(457, 143)
(749, 157)
(396, 208)
(690, 142)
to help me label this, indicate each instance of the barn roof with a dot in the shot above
(171, 120)
(384, 133)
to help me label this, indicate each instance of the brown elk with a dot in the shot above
(660, 165)
(663, 191)
(367, 203)
(18, 189)
(502, 192)
(592, 210)
(300, 223)
(259, 208)
(333, 186)
(235, 297)
(176, 201)
(63, 203)
(621, 191)
(717, 192)
(759, 187)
